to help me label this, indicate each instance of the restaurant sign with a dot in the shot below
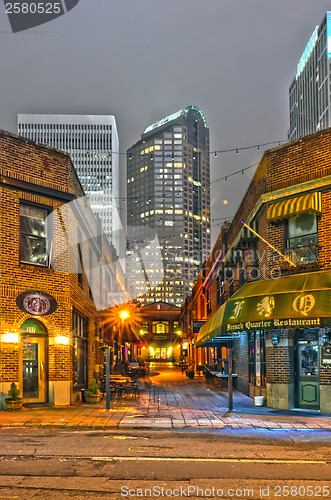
(282, 310)
(277, 323)
(36, 303)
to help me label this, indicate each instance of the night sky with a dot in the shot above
(141, 60)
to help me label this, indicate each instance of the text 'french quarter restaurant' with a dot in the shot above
(274, 310)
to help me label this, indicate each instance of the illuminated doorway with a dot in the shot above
(33, 335)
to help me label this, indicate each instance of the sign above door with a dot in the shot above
(36, 303)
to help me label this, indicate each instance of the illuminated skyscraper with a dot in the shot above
(309, 93)
(92, 142)
(168, 190)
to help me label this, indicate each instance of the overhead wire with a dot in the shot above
(214, 152)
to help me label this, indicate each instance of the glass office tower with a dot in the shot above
(309, 93)
(169, 190)
(92, 142)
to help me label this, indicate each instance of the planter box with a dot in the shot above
(190, 373)
(14, 404)
(92, 398)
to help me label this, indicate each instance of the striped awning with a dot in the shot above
(307, 203)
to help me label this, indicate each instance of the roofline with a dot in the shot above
(173, 117)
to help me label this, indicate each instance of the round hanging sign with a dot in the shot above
(36, 303)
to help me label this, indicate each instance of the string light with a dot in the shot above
(171, 194)
(215, 152)
(225, 178)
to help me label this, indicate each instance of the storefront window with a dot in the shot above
(160, 328)
(33, 243)
(80, 344)
(256, 358)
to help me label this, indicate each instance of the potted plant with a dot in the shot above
(14, 402)
(190, 370)
(93, 393)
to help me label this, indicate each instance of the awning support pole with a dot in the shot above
(230, 392)
(267, 243)
(107, 378)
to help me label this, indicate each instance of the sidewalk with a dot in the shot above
(175, 402)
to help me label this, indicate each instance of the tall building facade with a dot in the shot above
(310, 91)
(93, 145)
(168, 190)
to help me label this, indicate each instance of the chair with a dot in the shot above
(132, 388)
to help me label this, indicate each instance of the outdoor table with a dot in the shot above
(137, 371)
(120, 383)
(222, 379)
(119, 377)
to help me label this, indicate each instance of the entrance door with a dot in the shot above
(307, 371)
(34, 372)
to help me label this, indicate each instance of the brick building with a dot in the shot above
(159, 325)
(56, 274)
(267, 292)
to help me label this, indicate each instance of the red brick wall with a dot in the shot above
(39, 165)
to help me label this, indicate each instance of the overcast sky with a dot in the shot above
(141, 60)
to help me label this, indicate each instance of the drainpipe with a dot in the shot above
(230, 392)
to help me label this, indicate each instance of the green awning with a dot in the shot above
(296, 301)
(211, 332)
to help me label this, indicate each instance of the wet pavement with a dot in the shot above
(169, 400)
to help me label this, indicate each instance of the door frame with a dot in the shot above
(40, 337)
(305, 335)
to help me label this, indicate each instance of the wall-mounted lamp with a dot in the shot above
(12, 338)
(61, 339)
(275, 339)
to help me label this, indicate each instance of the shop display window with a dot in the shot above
(80, 350)
(256, 358)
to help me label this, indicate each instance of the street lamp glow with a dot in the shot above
(124, 315)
